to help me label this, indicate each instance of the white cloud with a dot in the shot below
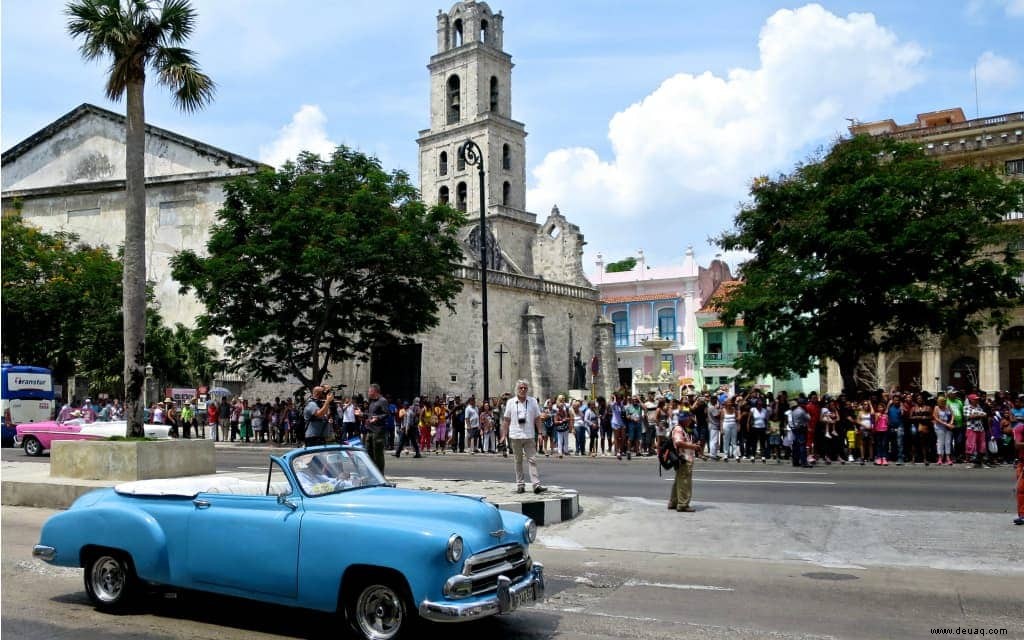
(1013, 8)
(306, 132)
(995, 71)
(683, 155)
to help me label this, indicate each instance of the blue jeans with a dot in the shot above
(897, 436)
(581, 440)
(799, 448)
(881, 444)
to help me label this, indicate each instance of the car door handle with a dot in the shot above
(201, 504)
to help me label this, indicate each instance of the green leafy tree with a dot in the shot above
(625, 264)
(61, 308)
(319, 263)
(867, 249)
(137, 35)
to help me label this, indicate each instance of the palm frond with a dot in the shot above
(177, 22)
(102, 25)
(178, 71)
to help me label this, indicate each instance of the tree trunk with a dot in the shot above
(134, 281)
(848, 372)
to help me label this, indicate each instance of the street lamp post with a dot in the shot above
(148, 383)
(472, 155)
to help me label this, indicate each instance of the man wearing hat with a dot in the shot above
(409, 432)
(683, 439)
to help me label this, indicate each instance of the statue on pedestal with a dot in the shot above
(579, 376)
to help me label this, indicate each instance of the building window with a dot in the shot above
(460, 162)
(506, 157)
(454, 100)
(621, 329)
(1015, 167)
(442, 195)
(714, 342)
(667, 324)
(506, 189)
(81, 213)
(741, 342)
(458, 33)
(483, 31)
(172, 214)
(494, 93)
(442, 163)
(671, 360)
(460, 196)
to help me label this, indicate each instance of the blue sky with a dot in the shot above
(646, 118)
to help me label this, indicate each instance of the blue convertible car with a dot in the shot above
(326, 531)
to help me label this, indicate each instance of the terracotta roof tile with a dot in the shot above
(721, 293)
(715, 324)
(647, 297)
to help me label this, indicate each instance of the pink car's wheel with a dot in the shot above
(32, 446)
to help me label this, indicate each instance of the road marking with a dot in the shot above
(263, 468)
(681, 587)
(794, 473)
(761, 481)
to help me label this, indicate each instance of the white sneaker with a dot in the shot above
(850, 459)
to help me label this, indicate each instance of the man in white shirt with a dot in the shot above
(519, 427)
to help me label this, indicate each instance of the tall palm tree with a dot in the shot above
(137, 35)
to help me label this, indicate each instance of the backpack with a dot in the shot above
(668, 457)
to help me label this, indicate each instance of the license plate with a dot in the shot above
(526, 596)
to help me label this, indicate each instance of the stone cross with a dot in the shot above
(501, 353)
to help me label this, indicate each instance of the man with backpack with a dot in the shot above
(685, 449)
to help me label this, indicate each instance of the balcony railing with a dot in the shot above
(727, 359)
(636, 338)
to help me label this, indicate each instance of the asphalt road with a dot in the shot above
(910, 487)
(592, 593)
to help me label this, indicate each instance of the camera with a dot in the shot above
(522, 420)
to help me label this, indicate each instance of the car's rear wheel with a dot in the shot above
(32, 446)
(380, 610)
(110, 580)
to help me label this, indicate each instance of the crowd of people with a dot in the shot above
(880, 428)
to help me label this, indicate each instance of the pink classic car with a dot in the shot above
(37, 437)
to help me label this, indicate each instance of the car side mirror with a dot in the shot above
(282, 498)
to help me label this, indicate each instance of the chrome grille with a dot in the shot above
(483, 569)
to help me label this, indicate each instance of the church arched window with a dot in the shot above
(442, 195)
(460, 161)
(506, 191)
(506, 157)
(457, 29)
(454, 100)
(442, 164)
(494, 93)
(460, 196)
(483, 31)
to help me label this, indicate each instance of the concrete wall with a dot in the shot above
(131, 460)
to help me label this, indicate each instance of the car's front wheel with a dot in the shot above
(32, 446)
(110, 580)
(380, 611)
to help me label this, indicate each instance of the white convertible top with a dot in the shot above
(191, 486)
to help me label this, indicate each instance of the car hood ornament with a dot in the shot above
(499, 533)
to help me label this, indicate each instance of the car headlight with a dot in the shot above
(530, 530)
(454, 553)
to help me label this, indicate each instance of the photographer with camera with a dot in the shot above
(519, 425)
(315, 415)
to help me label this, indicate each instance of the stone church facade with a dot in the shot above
(542, 310)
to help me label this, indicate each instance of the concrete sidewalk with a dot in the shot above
(29, 484)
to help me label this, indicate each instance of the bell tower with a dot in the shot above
(471, 98)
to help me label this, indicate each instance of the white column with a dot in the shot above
(835, 378)
(931, 364)
(988, 367)
(880, 365)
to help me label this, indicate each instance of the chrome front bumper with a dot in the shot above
(44, 552)
(508, 597)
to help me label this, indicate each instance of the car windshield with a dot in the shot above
(334, 470)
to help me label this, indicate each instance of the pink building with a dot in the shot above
(657, 303)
